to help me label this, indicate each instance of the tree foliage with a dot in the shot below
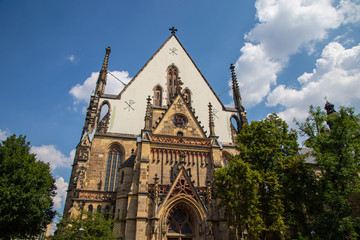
(337, 154)
(95, 227)
(264, 188)
(26, 190)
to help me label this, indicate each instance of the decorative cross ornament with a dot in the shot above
(179, 103)
(173, 30)
(172, 51)
(129, 107)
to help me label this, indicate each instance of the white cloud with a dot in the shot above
(61, 188)
(49, 153)
(284, 28)
(349, 11)
(4, 134)
(256, 72)
(82, 92)
(336, 76)
(71, 58)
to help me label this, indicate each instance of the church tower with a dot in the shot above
(150, 160)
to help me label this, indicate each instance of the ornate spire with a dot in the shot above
(148, 114)
(330, 110)
(236, 91)
(101, 82)
(211, 121)
(329, 107)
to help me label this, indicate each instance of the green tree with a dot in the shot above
(337, 154)
(94, 227)
(263, 189)
(26, 190)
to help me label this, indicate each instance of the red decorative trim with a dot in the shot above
(181, 140)
(95, 195)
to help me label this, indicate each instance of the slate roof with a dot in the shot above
(129, 162)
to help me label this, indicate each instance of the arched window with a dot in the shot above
(225, 158)
(187, 96)
(114, 161)
(172, 76)
(180, 221)
(234, 127)
(158, 96)
(104, 117)
(99, 208)
(90, 208)
(107, 212)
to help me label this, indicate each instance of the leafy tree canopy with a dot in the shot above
(337, 154)
(264, 188)
(26, 190)
(94, 226)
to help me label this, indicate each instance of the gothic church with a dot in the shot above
(148, 154)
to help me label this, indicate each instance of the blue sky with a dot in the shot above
(288, 55)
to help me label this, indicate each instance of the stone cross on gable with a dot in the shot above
(173, 30)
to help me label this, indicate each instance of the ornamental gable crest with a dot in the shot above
(183, 186)
(179, 120)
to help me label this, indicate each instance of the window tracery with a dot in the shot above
(114, 161)
(158, 96)
(172, 77)
(180, 220)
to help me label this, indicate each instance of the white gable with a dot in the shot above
(128, 112)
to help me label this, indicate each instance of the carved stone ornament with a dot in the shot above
(181, 140)
(79, 179)
(180, 120)
(97, 195)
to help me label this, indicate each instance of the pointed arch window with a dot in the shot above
(114, 161)
(90, 208)
(104, 117)
(172, 76)
(158, 96)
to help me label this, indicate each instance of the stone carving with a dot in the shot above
(181, 140)
(79, 179)
(97, 195)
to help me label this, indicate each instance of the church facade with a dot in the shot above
(147, 155)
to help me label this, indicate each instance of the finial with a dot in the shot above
(148, 114)
(156, 179)
(101, 82)
(106, 59)
(179, 84)
(211, 121)
(236, 91)
(108, 50)
(329, 107)
(173, 30)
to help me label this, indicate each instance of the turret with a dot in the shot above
(237, 99)
(101, 82)
(92, 110)
(236, 91)
(148, 115)
(330, 110)
(211, 121)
